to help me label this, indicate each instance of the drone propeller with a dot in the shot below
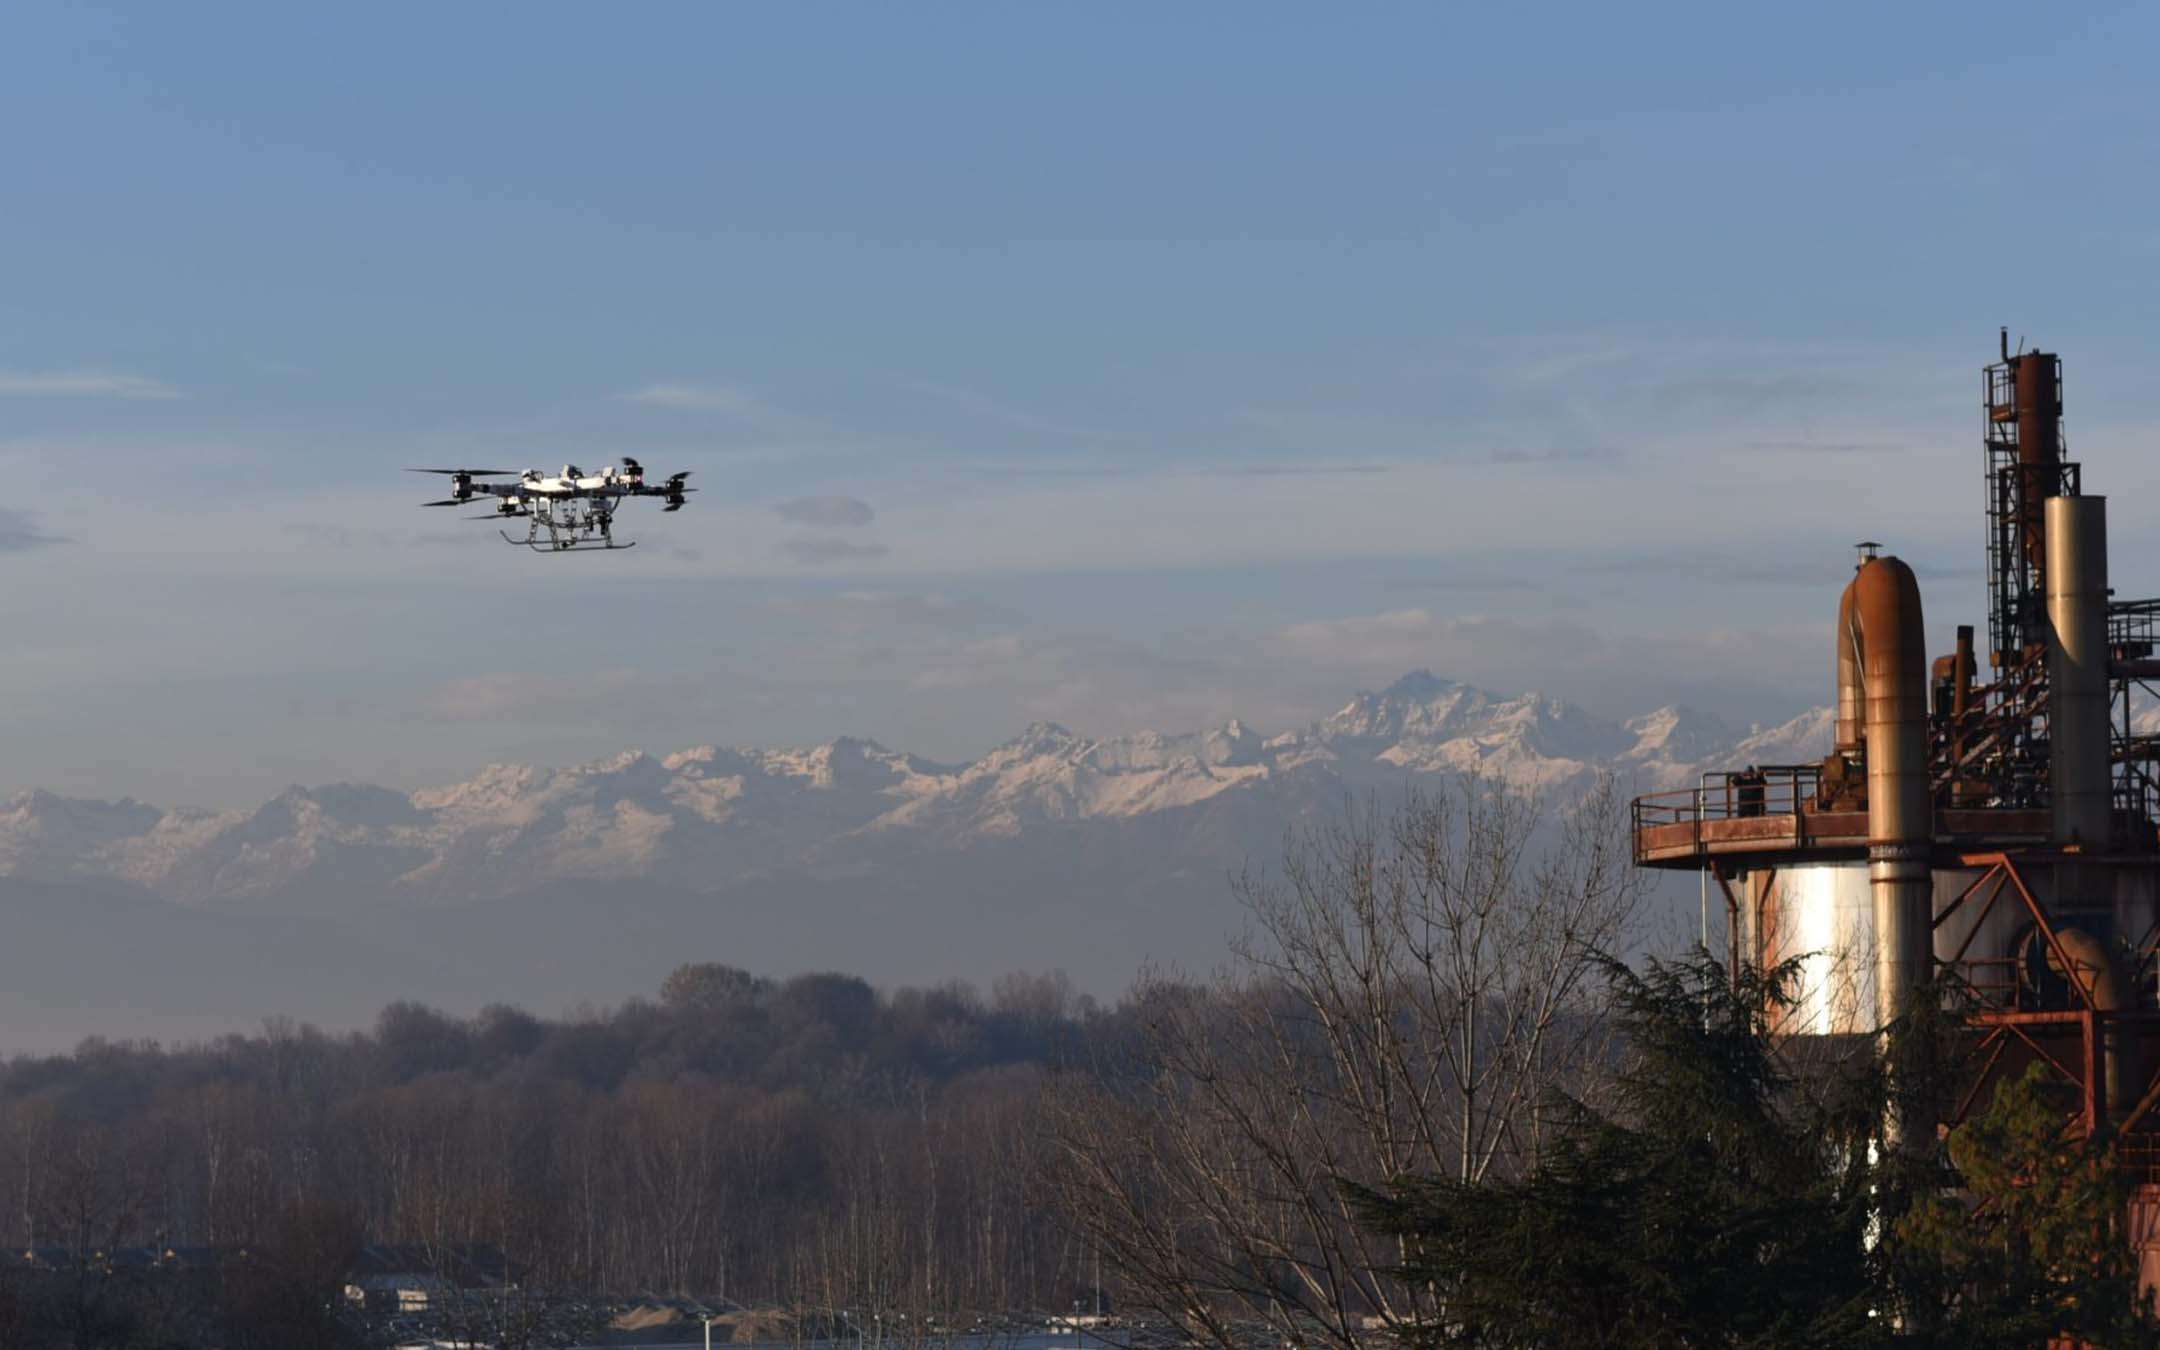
(468, 473)
(448, 501)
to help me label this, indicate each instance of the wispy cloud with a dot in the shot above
(19, 533)
(1317, 470)
(1824, 447)
(823, 550)
(504, 695)
(1564, 456)
(1403, 639)
(81, 384)
(698, 397)
(827, 512)
(856, 609)
(967, 400)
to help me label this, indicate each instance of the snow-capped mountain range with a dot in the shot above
(708, 818)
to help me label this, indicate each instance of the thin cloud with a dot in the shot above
(827, 512)
(1280, 469)
(855, 609)
(81, 384)
(1464, 581)
(967, 400)
(1582, 456)
(1404, 639)
(1824, 447)
(19, 533)
(1322, 470)
(1001, 470)
(509, 695)
(698, 397)
(820, 550)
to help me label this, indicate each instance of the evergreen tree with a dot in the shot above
(2032, 1246)
(1710, 1204)
(1740, 1191)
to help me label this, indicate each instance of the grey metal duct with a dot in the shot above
(2100, 975)
(2077, 592)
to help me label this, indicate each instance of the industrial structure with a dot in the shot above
(1998, 833)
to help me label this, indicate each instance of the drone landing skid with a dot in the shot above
(568, 546)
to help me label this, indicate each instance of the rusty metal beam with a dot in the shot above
(2001, 1042)
(1966, 894)
(2069, 1075)
(2144, 1104)
(2047, 929)
(1987, 908)
(2095, 1074)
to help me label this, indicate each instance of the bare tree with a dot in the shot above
(1414, 985)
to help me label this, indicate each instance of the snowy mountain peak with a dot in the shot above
(1675, 734)
(705, 815)
(1040, 738)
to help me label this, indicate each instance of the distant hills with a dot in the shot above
(547, 886)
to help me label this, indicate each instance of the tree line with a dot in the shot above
(1439, 1095)
(809, 1140)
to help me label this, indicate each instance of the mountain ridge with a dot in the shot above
(709, 815)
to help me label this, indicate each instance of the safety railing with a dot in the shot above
(1992, 983)
(1767, 790)
(2133, 627)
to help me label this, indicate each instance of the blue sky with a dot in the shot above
(1142, 365)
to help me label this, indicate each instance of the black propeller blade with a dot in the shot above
(469, 473)
(448, 501)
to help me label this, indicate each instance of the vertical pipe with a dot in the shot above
(2077, 590)
(1961, 676)
(2100, 976)
(2039, 433)
(1901, 814)
(1849, 712)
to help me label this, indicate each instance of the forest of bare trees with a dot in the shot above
(1414, 985)
(807, 1141)
(1418, 987)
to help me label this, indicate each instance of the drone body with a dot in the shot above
(569, 512)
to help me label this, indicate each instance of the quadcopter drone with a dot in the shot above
(571, 512)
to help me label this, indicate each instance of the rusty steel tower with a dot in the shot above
(2001, 834)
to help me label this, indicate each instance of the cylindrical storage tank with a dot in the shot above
(1823, 914)
(2081, 780)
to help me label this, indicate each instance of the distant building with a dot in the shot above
(411, 1277)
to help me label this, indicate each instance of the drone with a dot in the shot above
(569, 512)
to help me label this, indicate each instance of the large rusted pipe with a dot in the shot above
(1892, 653)
(2099, 975)
(2039, 433)
(1848, 731)
(2081, 781)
